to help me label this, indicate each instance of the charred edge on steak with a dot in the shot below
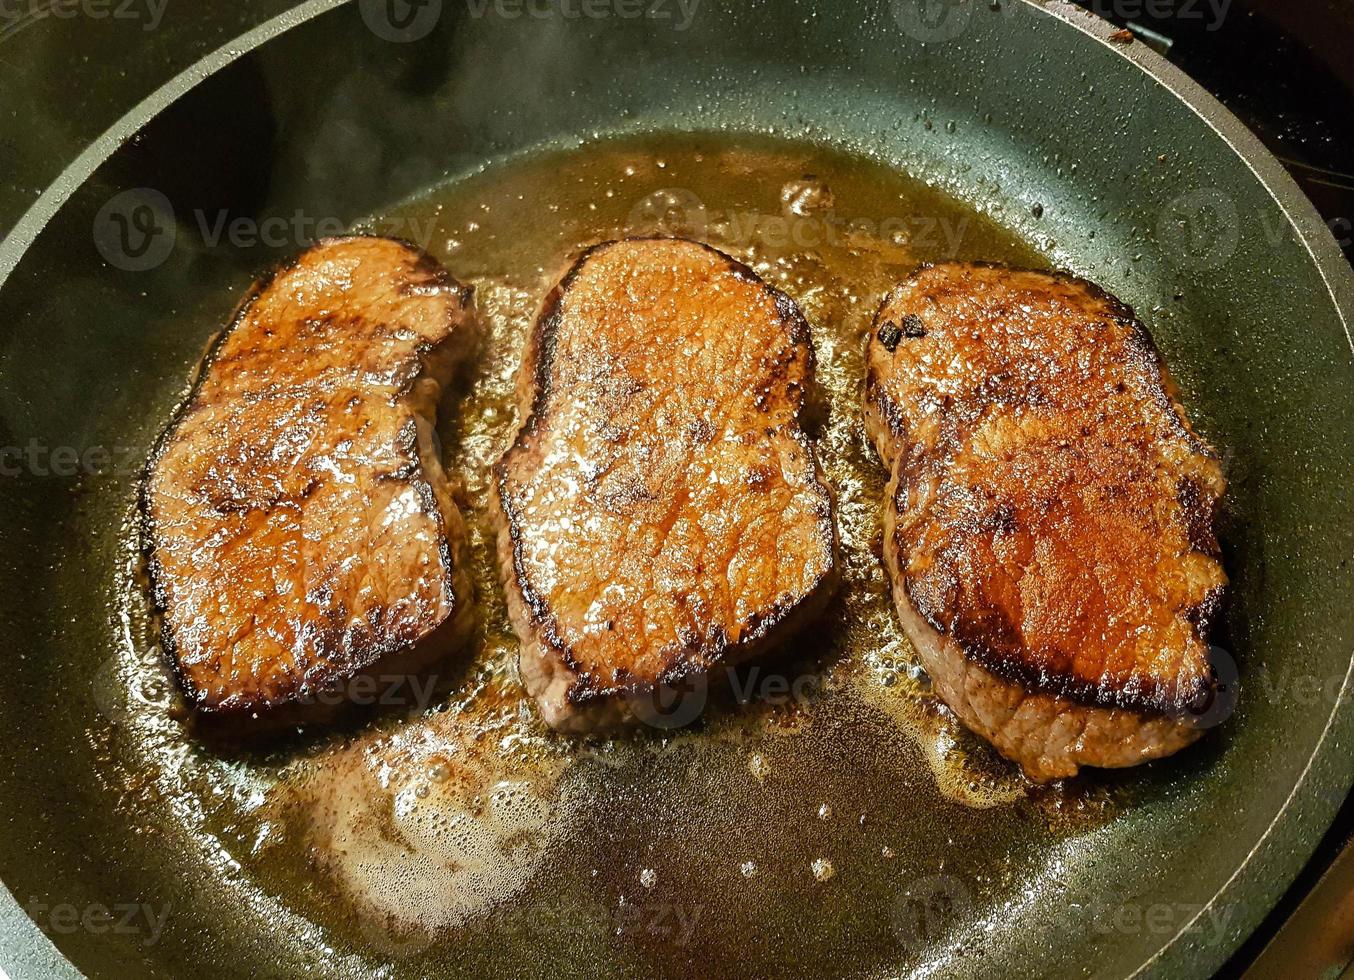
(146, 531)
(992, 641)
(587, 687)
(1145, 697)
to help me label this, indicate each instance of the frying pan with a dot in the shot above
(1095, 151)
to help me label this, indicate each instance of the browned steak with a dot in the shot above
(661, 510)
(1049, 523)
(300, 528)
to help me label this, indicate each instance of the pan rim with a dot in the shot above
(1338, 278)
(29, 951)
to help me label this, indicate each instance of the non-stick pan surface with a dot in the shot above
(1095, 152)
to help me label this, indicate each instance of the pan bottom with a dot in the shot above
(823, 816)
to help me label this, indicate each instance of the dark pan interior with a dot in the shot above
(1030, 118)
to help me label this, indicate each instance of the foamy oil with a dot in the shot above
(460, 836)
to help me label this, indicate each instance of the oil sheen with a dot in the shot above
(450, 832)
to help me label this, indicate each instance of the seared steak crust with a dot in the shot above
(661, 511)
(1049, 525)
(300, 530)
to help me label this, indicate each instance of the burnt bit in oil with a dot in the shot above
(889, 335)
(484, 700)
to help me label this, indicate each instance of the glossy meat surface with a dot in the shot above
(1050, 517)
(299, 525)
(661, 508)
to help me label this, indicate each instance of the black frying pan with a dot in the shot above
(1096, 152)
